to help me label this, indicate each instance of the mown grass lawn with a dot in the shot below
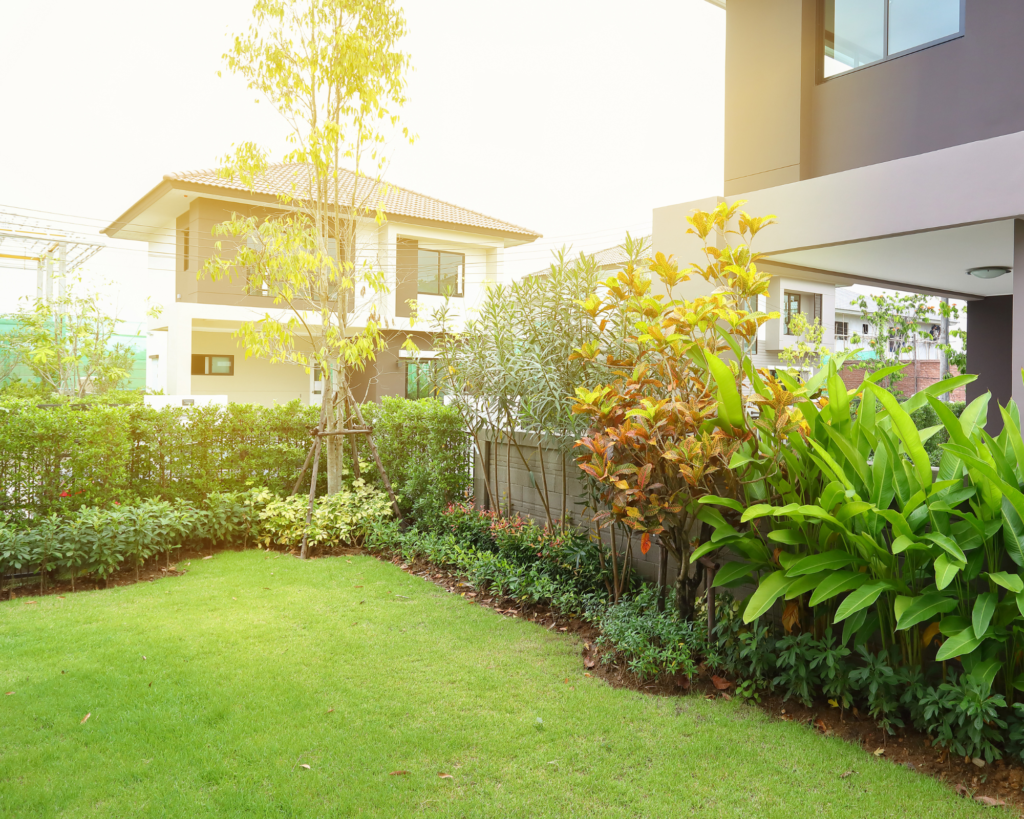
(209, 694)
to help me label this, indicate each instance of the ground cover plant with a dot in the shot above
(259, 685)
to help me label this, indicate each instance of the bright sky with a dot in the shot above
(571, 117)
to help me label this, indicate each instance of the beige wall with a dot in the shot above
(255, 381)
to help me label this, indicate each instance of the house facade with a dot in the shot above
(887, 138)
(428, 251)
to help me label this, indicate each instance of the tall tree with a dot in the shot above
(334, 71)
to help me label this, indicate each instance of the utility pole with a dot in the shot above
(943, 342)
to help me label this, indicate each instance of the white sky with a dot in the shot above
(571, 117)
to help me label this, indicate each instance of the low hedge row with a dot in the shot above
(97, 541)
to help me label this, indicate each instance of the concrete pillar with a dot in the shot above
(178, 367)
(40, 279)
(990, 327)
(1016, 341)
(48, 285)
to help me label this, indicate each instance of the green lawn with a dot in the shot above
(210, 692)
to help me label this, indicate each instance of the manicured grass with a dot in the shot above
(210, 692)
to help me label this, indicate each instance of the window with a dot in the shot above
(807, 303)
(861, 32)
(842, 330)
(865, 331)
(213, 365)
(440, 273)
(419, 380)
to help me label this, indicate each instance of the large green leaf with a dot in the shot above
(1013, 531)
(733, 572)
(770, 589)
(758, 510)
(730, 402)
(959, 644)
(909, 435)
(729, 503)
(981, 614)
(837, 583)
(1011, 582)
(945, 570)
(860, 599)
(916, 401)
(804, 584)
(947, 545)
(985, 672)
(826, 561)
(925, 609)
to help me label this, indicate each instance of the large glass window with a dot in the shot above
(213, 365)
(419, 380)
(441, 273)
(860, 32)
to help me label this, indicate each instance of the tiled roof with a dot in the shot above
(294, 180)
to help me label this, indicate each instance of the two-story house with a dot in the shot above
(427, 249)
(887, 136)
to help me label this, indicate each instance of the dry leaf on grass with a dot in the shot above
(9, 693)
(989, 801)
(847, 775)
(398, 773)
(85, 718)
(210, 557)
(879, 751)
(721, 683)
(590, 662)
(30, 602)
(445, 776)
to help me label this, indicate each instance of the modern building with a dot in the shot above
(424, 248)
(887, 136)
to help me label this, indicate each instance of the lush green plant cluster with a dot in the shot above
(927, 418)
(648, 641)
(425, 450)
(96, 541)
(61, 458)
(341, 519)
(507, 556)
(961, 714)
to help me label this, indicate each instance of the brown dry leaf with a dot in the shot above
(9, 693)
(210, 557)
(721, 683)
(847, 775)
(60, 596)
(445, 776)
(988, 801)
(30, 602)
(306, 767)
(791, 615)
(786, 717)
(822, 726)
(85, 718)
(398, 773)
(590, 662)
(357, 587)
(961, 790)
(929, 634)
(330, 710)
(726, 697)
(879, 751)
(587, 674)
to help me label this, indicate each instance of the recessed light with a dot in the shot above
(988, 272)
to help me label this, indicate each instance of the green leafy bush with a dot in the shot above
(425, 451)
(341, 519)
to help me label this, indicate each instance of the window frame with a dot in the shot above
(457, 294)
(432, 391)
(211, 356)
(845, 334)
(885, 42)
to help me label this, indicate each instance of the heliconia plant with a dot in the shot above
(861, 533)
(670, 416)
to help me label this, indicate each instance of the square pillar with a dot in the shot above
(1016, 341)
(178, 367)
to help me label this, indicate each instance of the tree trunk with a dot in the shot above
(335, 445)
(376, 458)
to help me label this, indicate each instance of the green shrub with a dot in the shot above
(648, 641)
(425, 451)
(341, 519)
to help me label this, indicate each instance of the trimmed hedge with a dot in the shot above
(58, 459)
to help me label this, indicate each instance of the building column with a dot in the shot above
(178, 366)
(1017, 338)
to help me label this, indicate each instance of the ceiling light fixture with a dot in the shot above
(989, 272)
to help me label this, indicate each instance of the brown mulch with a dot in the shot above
(1001, 783)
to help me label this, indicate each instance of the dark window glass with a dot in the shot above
(792, 308)
(419, 381)
(451, 271)
(428, 270)
(440, 273)
(916, 22)
(860, 32)
(213, 365)
(854, 34)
